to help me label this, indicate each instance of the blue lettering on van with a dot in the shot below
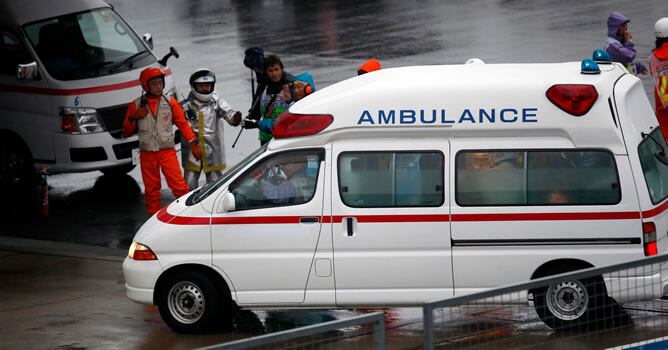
(439, 116)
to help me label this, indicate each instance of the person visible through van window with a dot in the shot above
(275, 186)
(369, 66)
(205, 110)
(152, 116)
(658, 66)
(479, 160)
(271, 102)
(619, 44)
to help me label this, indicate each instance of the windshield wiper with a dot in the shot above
(129, 60)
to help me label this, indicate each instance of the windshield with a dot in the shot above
(87, 44)
(211, 187)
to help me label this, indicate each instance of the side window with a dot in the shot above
(12, 53)
(656, 173)
(536, 178)
(391, 179)
(288, 178)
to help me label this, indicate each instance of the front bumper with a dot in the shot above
(91, 152)
(140, 279)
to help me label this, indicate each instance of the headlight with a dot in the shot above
(139, 251)
(79, 120)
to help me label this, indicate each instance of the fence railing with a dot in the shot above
(316, 335)
(587, 304)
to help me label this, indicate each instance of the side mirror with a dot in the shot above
(227, 204)
(172, 52)
(148, 39)
(27, 71)
(661, 157)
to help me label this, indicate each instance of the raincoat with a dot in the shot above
(658, 66)
(621, 50)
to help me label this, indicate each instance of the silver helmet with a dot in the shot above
(203, 75)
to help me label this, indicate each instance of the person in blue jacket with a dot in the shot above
(303, 85)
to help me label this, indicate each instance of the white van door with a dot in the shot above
(266, 245)
(390, 221)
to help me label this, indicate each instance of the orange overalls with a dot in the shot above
(157, 147)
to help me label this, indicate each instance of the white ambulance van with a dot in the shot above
(411, 184)
(68, 70)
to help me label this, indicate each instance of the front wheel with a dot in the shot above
(189, 302)
(571, 305)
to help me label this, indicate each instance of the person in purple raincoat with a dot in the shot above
(619, 45)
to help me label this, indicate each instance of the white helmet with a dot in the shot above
(661, 28)
(203, 75)
(475, 61)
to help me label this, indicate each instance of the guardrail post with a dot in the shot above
(428, 322)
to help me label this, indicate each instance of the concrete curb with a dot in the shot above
(74, 250)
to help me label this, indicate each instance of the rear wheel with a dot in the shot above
(18, 178)
(572, 304)
(190, 303)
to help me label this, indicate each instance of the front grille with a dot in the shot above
(112, 119)
(124, 150)
(90, 154)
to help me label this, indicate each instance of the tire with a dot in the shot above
(18, 178)
(572, 305)
(190, 303)
(118, 170)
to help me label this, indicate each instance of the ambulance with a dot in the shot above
(68, 69)
(412, 184)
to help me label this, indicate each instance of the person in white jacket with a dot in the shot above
(204, 110)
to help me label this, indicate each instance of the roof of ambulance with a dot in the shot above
(17, 12)
(455, 88)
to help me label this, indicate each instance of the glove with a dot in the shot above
(140, 113)
(191, 114)
(236, 119)
(248, 123)
(640, 68)
(196, 151)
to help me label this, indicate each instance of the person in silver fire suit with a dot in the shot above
(205, 110)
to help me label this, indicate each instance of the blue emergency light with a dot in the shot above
(588, 66)
(601, 57)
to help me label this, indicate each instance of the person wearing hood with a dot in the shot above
(271, 102)
(619, 44)
(152, 116)
(204, 110)
(658, 66)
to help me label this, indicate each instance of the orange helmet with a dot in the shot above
(368, 66)
(148, 74)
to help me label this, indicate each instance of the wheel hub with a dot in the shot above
(567, 300)
(186, 302)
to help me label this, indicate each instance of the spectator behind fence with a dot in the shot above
(619, 44)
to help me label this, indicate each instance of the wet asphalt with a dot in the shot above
(65, 301)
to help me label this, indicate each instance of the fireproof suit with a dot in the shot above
(205, 117)
(156, 141)
(658, 66)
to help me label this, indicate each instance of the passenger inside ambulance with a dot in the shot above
(549, 178)
(285, 179)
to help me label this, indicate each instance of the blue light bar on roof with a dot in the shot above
(588, 66)
(601, 57)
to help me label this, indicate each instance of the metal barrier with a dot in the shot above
(287, 338)
(594, 307)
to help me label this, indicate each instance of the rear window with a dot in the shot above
(537, 177)
(655, 172)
